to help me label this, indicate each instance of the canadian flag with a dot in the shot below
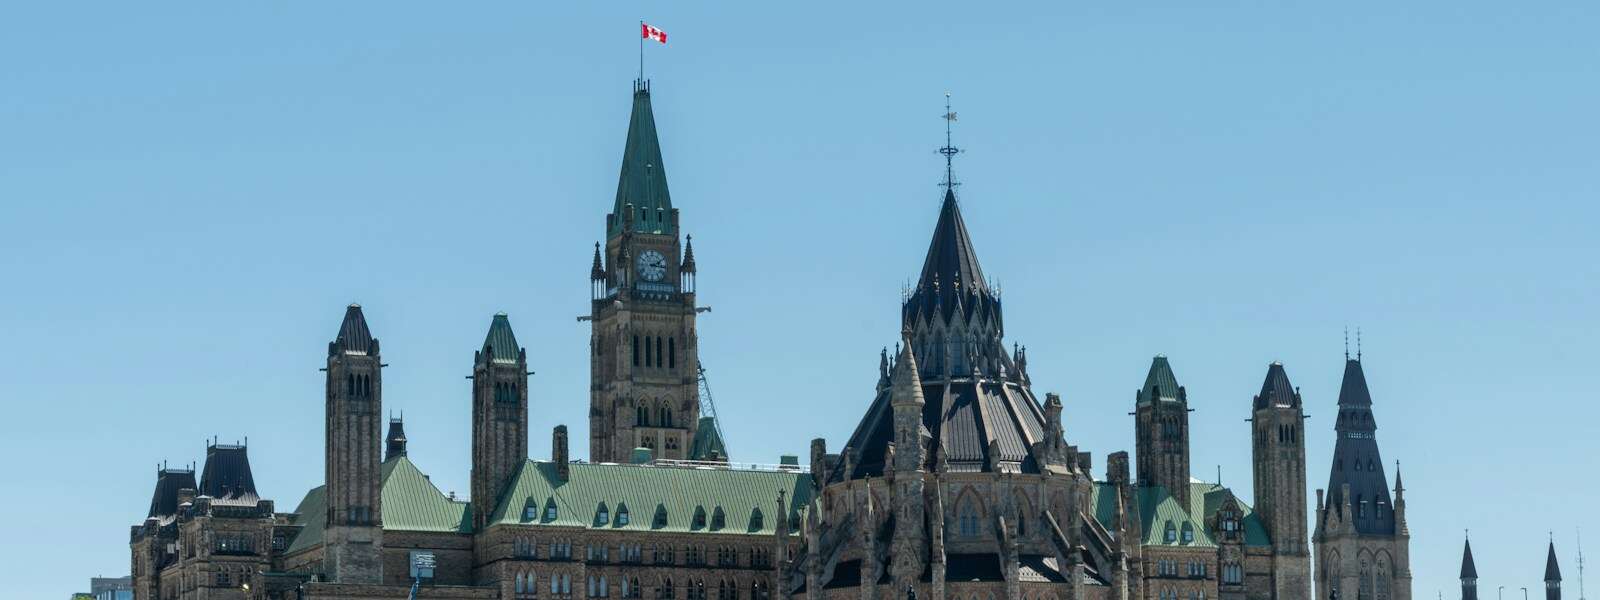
(646, 31)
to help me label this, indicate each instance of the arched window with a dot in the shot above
(635, 351)
(643, 417)
(672, 353)
(967, 519)
(658, 352)
(350, 384)
(647, 358)
(665, 591)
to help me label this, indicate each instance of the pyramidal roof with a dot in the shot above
(643, 182)
(1276, 389)
(1353, 391)
(353, 337)
(164, 502)
(1469, 570)
(1160, 383)
(1552, 571)
(500, 345)
(952, 262)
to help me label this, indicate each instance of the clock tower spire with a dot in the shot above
(643, 371)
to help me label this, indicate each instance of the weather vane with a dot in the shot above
(949, 150)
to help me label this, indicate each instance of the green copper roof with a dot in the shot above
(1160, 382)
(707, 443)
(410, 503)
(1158, 508)
(501, 343)
(747, 499)
(643, 182)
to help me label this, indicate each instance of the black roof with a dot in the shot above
(353, 337)
(1552, 571)
(164, 502)
(395, 440)
(1357, 462)
(1276, 389)
(951, 278)
(227, 473)
(1469, 570)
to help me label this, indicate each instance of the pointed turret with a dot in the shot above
(1357, 461)
(597, 270)
(395, 442)
(499, 415)
(643, 182)
(951, 259)
(1552, 574)
(500, 345)
(1161, 413)
(1469, 573)
(353, 336)
(688, 254)
(1276, 389)
(708, 445)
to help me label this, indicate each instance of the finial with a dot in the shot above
(949, 150)
(1358, 344)
(1347, 342)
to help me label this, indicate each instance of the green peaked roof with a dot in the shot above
(748, 498)
(707, 444)
(1160, 383)
(1158, 508)
(410, 503)
(643, 182)
(501, 343)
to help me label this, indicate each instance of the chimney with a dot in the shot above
(1117, 468)
(819, 461)
(558, 450)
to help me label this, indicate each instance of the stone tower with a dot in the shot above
(1552, 575)
(1279, 457)
(644, 366)
(1362, 540)
(1162, 427)
(353, 540)
(499, 416)
(395, 442)
(909, 547)
(1469, 574)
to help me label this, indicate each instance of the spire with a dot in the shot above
(1276, 390)
(907, 384)
(1353, 391)
(688, 254)
(353, 337)
(951, 266)
(1468, 569)
(949, 151)
(396, 440)
(1160, 383)
(1552, 571)
(500, 345)
(643, 182)
(597, 270)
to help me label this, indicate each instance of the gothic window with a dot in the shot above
(648, 359)
(1365, 593)
(697, 590)
(672, 353)
(760, 591)
(635, 351)
(665, 591)
(1384, 580)
(350, 384)
(658, 352)
(967, 520)
(643, 417)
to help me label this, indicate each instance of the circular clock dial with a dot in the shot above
(652, 265)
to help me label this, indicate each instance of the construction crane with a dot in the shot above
(708, 408)
(1580, 566)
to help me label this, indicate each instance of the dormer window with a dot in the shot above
(755, 520)
(550, 510)
(622, 515)
(718, 519)
(1188, 533)
(1171, 533)
(661, 517)
(602, 516)
(1361, 510)
(699, 518)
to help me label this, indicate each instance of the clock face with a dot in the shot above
(652, 265)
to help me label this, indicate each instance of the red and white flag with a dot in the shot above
(648, 32)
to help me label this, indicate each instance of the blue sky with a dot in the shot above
(189, 198)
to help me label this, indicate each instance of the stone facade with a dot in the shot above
(958, 483)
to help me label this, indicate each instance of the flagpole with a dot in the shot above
(641, 50)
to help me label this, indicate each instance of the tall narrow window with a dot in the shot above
(636, 351)
(658, 352)
(672, 353)
(647, 357)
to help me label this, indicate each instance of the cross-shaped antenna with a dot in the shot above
(949, 150)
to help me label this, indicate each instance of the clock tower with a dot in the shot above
(644, 360)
